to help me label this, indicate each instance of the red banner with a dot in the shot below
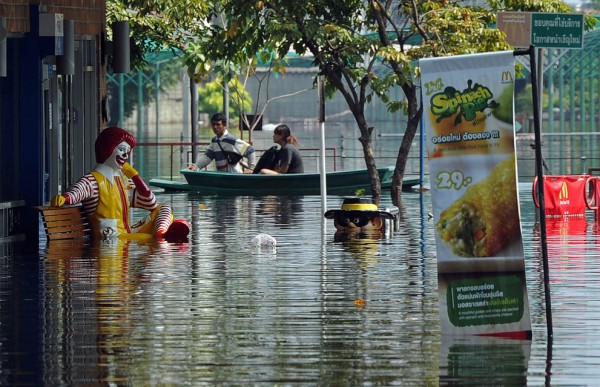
(564, 195)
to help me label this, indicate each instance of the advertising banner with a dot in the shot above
(564, 196)
(468, 115)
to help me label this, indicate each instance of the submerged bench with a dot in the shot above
(67, 222)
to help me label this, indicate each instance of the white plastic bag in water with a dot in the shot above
(264, 240)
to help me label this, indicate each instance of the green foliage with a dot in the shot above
(529, 6)
(362, 48)
(156, 25)
(359, 193)
(210, 98)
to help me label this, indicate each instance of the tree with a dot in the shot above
(443, 28)
(350, 39)
(211, 97)
(157, 25)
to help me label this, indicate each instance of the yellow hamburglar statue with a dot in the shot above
(113, 187)
(360, 215)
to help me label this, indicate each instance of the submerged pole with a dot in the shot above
(322, 166)
(540, 178)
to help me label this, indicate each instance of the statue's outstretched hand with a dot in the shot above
(58, 201)
(129, 171)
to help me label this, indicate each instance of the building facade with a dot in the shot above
(52, 70)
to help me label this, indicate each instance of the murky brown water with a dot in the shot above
(314, 311)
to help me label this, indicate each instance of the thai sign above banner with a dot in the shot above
(468, 115)
(543, 30)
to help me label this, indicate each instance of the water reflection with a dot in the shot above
(363, 246)
(471, 360)
(90, 305)
(116, 284)
(322, 309)
(281, 210)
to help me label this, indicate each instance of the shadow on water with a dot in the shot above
(318, 308)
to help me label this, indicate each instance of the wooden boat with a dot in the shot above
(338, 183)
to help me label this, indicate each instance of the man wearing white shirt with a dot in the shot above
(225, 149)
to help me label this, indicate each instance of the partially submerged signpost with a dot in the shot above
(536, 30)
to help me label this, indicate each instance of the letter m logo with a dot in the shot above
(507, 77)
(564, 192)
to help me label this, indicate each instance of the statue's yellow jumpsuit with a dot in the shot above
(105, 199)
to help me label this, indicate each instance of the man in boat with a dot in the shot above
(113, 187)
(225, 149)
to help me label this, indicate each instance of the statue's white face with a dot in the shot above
(119, 156)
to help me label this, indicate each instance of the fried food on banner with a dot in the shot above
(486, 218)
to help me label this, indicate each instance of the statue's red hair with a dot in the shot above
(107, 141)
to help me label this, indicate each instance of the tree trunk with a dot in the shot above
(356, 103)
(366, 141)
(414, 117)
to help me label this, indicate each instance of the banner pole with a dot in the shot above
(540, 178)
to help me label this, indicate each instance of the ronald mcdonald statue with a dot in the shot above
(113, 187)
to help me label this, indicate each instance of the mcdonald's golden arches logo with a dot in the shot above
(507, 77)
(564, 192)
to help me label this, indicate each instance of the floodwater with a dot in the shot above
(316, 310)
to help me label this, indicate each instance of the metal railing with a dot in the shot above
(165, 159)
(10, 220)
